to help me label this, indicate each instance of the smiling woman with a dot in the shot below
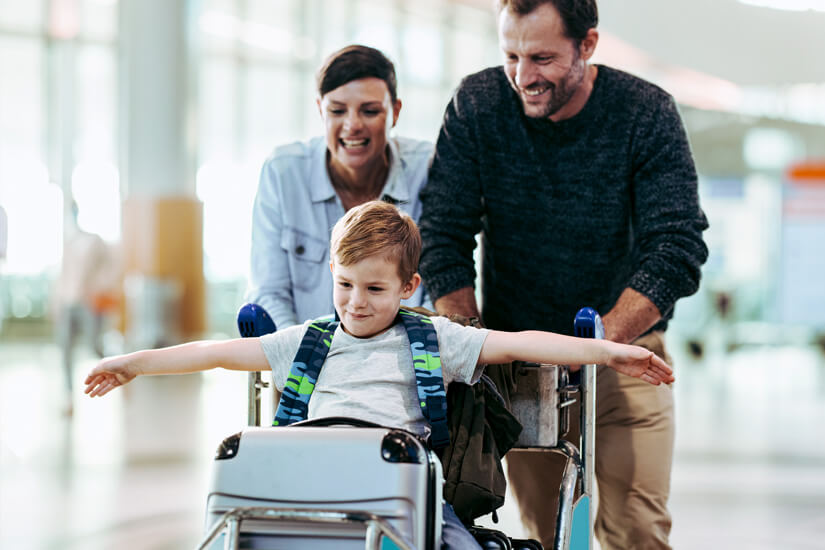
(358, 117)
(305, 187)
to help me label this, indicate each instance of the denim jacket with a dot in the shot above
(294, 212)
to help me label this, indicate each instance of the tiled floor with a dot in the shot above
(130, 470)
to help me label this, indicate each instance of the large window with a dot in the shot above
(58, 112)
(256, 90)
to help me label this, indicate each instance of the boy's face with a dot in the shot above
(367, 294)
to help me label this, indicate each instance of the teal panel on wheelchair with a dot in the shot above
(581, 528)
(388, 544)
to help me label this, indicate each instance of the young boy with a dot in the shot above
(368, 372)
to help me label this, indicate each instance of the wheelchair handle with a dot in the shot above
(253, 320)
(588, 324)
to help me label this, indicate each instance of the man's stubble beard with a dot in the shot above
(559, 95)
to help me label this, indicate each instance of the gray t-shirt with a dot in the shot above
(373, 378)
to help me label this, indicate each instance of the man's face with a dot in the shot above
(367, 294)
(543, 65)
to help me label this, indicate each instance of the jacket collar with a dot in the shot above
(321, 186)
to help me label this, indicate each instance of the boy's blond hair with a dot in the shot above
(377, 228)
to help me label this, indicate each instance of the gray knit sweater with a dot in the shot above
(571, 213)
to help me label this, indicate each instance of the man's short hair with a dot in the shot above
(353, 63)
(377, 228)
(578, 16)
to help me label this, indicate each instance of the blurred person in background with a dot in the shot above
(305, 187)
(581, 181)
(86, 291)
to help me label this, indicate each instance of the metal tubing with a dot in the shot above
(588, 428)
(375, 525)
(567, 494)
(233, 534)
(253, 416)
(373, 539)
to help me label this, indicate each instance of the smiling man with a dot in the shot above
(581, 181)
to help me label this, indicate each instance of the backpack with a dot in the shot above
(482, 429)
(313, 350)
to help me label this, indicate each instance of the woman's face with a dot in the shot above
(358, 117)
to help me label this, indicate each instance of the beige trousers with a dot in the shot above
(634, 454)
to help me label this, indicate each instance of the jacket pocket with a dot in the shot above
(308, 257)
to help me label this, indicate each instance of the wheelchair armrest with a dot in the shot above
(253, 320)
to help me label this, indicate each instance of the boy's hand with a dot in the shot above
(109, 374)
(640, 363)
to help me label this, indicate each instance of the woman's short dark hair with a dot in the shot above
(578, 16)
(355, 62)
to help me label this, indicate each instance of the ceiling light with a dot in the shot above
(789, 5)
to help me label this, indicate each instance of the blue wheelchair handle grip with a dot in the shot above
(588, 324)
(253, 320)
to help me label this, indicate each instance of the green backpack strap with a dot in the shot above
(312, 352)
(429, 378)
(294, 403)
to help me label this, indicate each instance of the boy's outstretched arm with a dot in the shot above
(551, 348)
(237, 354)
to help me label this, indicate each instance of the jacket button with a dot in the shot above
(299, 250)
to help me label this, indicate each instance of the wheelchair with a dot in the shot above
(343, 483)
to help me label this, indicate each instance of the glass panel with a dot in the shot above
(281, 14)
(228, 7)
(421, 112)
(34, 206)
(225, 187)
(375, 26)
(21, 16)
(227, 190)
(217, 134)
(334, 28)
(474, 43)
(35, 211)
(311, 124)
(98, 19)
(423, 53)
(219, 26)
(96, 190)
(95, 180)
(63, 19)
(432, 9)
(273, 27)
(272, 108)
(96, 113)
(21, 99)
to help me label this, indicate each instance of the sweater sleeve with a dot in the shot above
(452, 202)
(667, 219)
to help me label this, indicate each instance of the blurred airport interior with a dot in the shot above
(150, 119)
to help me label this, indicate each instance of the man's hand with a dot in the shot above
(461, 301)
(639, 363)
(632, 315)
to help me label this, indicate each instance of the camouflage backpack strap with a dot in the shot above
(303, 374)
(428, 375)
